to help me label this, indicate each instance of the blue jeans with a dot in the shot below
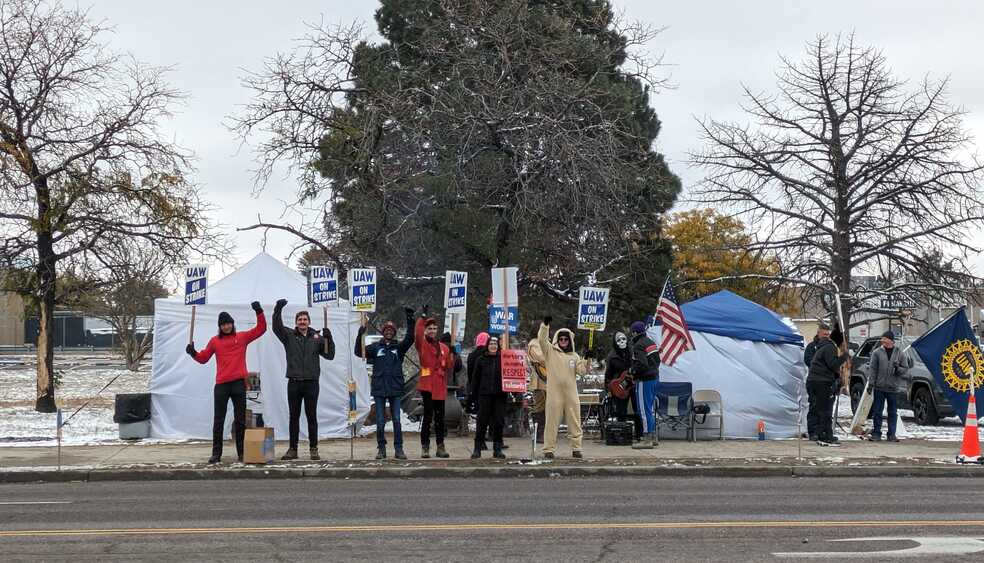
(645, 395)
(381, 421)
(882, 397)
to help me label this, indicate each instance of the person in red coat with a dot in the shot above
(435, 360)
(229, 349)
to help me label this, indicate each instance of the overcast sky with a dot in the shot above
(712, 46)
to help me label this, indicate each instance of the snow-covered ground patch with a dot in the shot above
(82, 378)
(947, 430)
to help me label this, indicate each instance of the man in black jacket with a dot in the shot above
(823, 333)
(822, 385)
(304, 348)
(386, 359)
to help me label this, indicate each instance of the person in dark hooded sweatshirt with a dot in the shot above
(487, 391)
(620, 361)
(229, 349)
(823, 383)
(386, 359)
(303, 347)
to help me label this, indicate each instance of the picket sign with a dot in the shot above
(505, 302)
(513, 366)
(455, 303)
(323, 290)
(362, 289)
(196, 292)
(592, 310)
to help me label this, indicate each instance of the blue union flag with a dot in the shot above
(952, 354)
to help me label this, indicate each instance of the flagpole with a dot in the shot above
(661, 293)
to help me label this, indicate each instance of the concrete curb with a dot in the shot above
(486, 471)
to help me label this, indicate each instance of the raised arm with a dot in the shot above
(203, 356)
(408, 338)
(278, 321)
(261, 325)
(328, 350)
(543, 338)
(358, 342)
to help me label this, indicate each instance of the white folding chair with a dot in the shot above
(710, 397)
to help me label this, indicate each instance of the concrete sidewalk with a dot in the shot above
(142, 460)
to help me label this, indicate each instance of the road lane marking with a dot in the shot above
(17, 502)
(492, 527)
(926, 546)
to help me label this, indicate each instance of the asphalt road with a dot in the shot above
(669, 519)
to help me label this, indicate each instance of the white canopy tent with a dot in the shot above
(750, 356)
(181, 388)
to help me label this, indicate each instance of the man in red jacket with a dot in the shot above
(435, 358)
(229, 348)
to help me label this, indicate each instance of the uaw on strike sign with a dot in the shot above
(592, 308)
(362, 289)
(196, 284)
(324, 285)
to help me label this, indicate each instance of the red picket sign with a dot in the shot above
(513, 370)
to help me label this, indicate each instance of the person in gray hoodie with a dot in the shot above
(887, 368)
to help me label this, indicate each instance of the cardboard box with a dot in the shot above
(259, 446)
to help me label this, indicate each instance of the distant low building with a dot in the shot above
(11, 319)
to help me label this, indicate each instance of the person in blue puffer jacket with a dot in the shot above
(386, 359)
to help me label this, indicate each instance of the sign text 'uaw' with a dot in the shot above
(324, 285)
(196, 284)
(592, 308)
(362, 289)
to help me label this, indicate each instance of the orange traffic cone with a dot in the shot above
(970, 450)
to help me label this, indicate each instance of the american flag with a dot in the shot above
(676, 337)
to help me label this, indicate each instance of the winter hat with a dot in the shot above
(889, 335)
(430, 321)
(388, 325)
(225, 318)
(482, 339)
(638, 327)
(446, 338)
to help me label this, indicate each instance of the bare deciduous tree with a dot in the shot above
(83, 165)
(133, 275)
(848, 169)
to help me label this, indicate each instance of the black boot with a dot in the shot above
(216, 458)
(476, 453)
(497, 451)
(381, 452)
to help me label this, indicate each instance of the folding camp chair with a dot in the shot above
(709, 397)
(674, 408)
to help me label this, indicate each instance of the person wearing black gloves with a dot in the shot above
(304, 347)
(486, 390)
(822, 384)
(229, 349)
(386, 359)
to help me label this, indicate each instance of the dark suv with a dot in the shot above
(922, 394)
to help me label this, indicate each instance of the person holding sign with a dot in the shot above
(486, 391)
(386, 359)
(229, 349)
(563, 367)
(304, 347)
(435, 359)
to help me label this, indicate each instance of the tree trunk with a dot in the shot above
(46, 341)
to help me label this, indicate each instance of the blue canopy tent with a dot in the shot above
(751, 356)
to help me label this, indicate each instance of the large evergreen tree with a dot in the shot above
(480, 134)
